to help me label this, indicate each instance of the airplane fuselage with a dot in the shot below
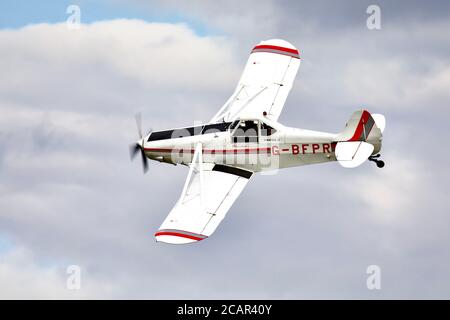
(287, 147)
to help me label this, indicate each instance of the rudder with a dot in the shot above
(360, 138)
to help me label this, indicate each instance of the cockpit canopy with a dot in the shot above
(250, 130)
(189, 131)
(239, 128)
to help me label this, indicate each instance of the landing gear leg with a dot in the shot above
(379, 163)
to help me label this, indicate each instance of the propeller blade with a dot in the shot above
(134, 149)
(144, 161)
(149, 131)
(138, 118)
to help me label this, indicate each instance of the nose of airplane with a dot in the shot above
(138, 147)
(143, 142)
(140, 143)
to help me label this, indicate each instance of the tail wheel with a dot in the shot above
(374, 158)
(380, 163)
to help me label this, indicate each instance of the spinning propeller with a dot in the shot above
(139, 146)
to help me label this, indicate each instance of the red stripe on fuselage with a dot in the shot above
(211, 151)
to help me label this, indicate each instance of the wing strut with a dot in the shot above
(197, 168)
(224, 110)
(236, 114)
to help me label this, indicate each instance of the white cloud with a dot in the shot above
(114, 67)
(153, 53)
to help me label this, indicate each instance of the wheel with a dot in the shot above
(380, 163)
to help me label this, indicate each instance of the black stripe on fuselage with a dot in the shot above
(232, 170)
(189, 131)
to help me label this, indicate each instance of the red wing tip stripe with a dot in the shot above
(266, 46)
(276, 49)
(181, 234)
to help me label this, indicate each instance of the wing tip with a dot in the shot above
(277, 46)
(172, 236)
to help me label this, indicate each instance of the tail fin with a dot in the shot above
(360, 138)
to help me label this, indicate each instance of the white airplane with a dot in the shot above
(244, 138)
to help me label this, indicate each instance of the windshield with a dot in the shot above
(267, 130)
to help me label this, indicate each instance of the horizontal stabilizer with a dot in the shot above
(351, 154)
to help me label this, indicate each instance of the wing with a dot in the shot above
(209, 192)
(265, 84)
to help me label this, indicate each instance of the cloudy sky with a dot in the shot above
(70, 196)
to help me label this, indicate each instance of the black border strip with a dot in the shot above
(232, 170)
